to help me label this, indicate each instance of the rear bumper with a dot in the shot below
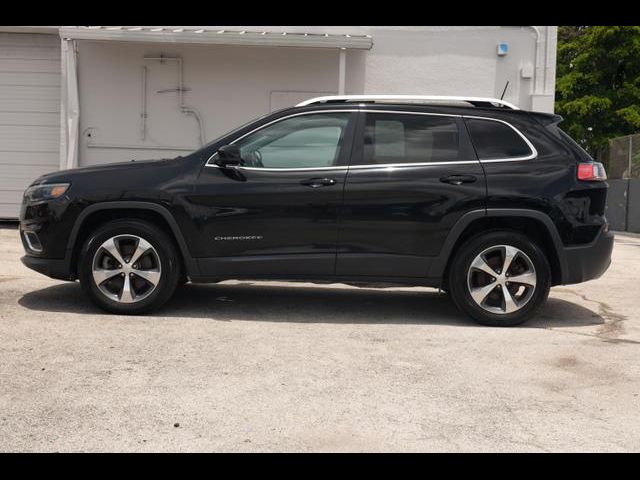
(590, 261)
(50, 267)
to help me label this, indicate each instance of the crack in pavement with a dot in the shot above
(611, 329)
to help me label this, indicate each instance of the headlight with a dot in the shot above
(42, 193)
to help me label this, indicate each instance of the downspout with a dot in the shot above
(547, 57)
(63, 104)
(70, 107)
(342, 60)
(536, 78)
(143, 105)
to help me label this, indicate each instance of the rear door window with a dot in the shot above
(404, 138)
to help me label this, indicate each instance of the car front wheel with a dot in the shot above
(129, 267)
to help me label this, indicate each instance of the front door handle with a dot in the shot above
(318, 182)
(458, 179)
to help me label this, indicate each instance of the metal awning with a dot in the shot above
(206, 36)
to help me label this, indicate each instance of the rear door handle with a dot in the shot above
(458, 179)
(318, 182)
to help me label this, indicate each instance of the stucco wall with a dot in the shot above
(230, 85)
(447, 60)
(227, 85)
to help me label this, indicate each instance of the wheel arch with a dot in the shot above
(533, 223)
(97, 214)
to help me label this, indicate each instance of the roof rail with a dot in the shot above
(475, 101)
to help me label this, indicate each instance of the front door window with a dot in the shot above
(304, 141)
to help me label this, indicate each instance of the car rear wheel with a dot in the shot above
(500, 278)
(129, 267)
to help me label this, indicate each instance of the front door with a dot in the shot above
(276, 214)
(412, 176)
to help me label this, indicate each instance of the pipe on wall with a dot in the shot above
(541, 70)
(70, 105)
(183, 108)
(118, 146)
(547, 57)
(143, 105)
(342, 60)
(536, 62)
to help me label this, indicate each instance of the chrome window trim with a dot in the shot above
(420, 164)
(301, 169)
(534, 152)
(357, 167)
(531, 156)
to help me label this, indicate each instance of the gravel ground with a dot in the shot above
(272, 366)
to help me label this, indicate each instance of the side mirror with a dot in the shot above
(229, 156)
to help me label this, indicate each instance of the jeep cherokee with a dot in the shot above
(474, 196)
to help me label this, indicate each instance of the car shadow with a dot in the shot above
(303, 304)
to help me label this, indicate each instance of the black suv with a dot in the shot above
(489, 203)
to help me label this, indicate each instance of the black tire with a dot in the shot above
(166, 253)
(461, 264)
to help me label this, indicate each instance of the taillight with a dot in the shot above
(592, 171)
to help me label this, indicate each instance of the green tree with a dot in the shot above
(598, 83)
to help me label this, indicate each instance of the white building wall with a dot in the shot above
(230, 85)
(227, 85)
(447, 60)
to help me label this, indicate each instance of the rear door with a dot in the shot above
(412, 176)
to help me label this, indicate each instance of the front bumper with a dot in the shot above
(44, 230)
(588, 262)
(50, 267)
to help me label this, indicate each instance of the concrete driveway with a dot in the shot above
(252, 366)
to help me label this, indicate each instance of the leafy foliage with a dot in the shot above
(598, 83)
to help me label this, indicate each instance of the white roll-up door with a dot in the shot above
(29, 113)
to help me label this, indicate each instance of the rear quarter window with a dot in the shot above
(495, 140)
(564, 137)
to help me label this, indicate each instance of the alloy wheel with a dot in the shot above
(501, 279)
(126, 268)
